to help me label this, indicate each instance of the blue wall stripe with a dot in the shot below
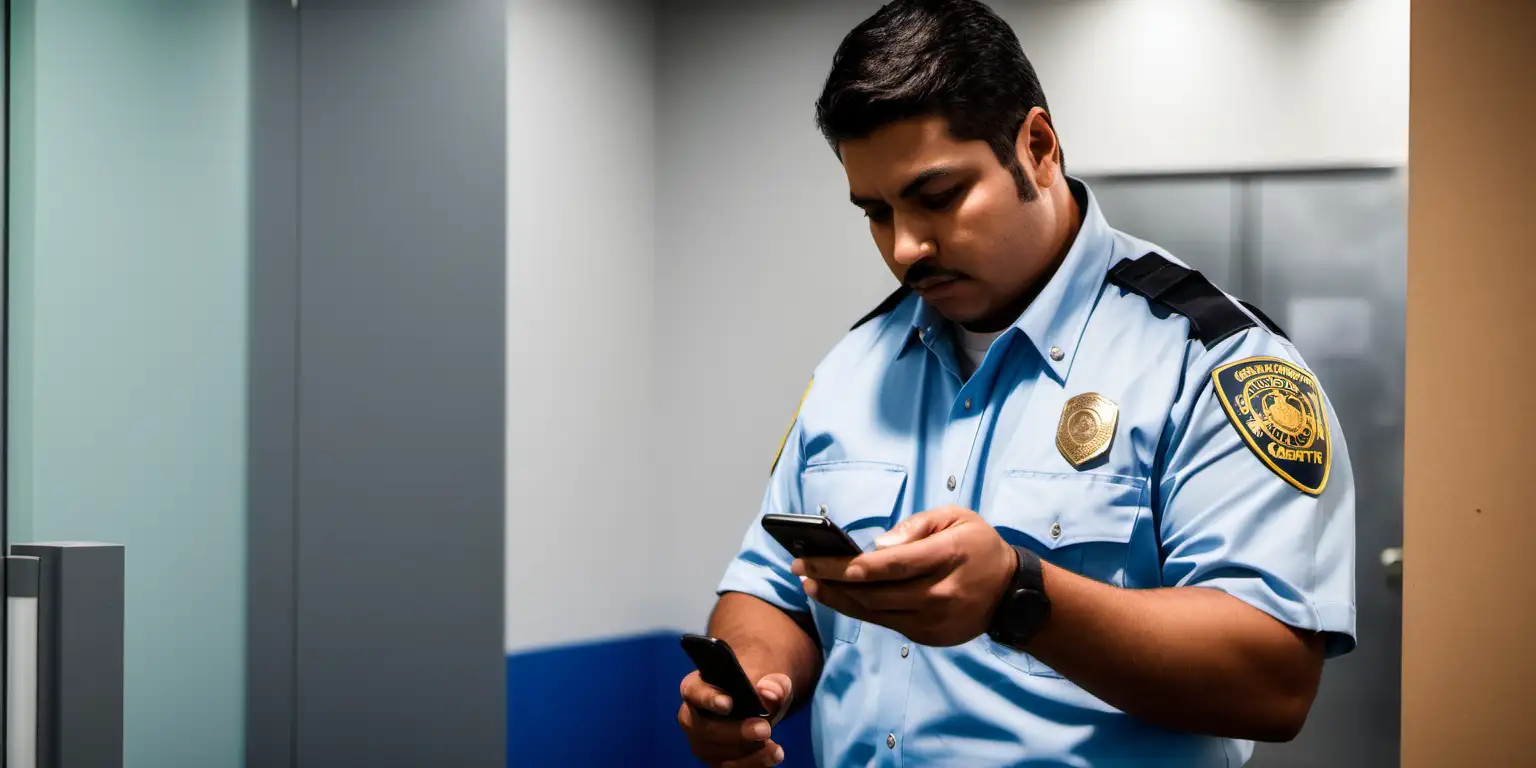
(611, 703)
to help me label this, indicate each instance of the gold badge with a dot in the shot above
(1087, 427)
(1278, 410)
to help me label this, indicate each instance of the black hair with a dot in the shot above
(953, 58)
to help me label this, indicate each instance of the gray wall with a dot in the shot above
(379, 273)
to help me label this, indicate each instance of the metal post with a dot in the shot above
(21, 577)
(79, 660)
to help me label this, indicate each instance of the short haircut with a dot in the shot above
(952, 58)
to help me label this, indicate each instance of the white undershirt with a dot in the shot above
(973, 348)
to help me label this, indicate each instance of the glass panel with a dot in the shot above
(1332, 259)
(128, 359)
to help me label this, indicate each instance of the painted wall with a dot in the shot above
(1152, 85)
(128, 371)
(580, 322)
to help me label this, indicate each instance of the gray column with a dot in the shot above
(378, 359)
(79, 654)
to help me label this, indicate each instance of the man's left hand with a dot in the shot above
(936, 577)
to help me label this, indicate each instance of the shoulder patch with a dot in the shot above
(791, 428)
(1276, 407)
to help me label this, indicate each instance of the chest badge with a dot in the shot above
(1277, 409)
(1087, 428)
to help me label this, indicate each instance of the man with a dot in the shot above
(1106, 510)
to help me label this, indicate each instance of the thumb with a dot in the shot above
(919, 526)
(777, 692)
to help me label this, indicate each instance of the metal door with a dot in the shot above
(1324, 254)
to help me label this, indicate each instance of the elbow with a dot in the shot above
(1282, 719)
(1281, 727)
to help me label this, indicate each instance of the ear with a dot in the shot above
(1038, 148)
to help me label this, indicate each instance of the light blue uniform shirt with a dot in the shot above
(889, 429)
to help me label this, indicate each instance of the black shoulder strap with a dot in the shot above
(1273, 326)
(1212, 316)
(889, 304)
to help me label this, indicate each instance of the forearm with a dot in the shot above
(1185, 658)
(767, 640)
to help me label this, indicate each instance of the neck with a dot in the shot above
(1063, 235)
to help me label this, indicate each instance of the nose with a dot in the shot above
(911, 246)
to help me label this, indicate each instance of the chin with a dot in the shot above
(961, 312)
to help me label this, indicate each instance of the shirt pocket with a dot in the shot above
(862, 498)
(1083, 523)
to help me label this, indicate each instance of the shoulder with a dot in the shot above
(1174, 291)
(873, 340)
(1166, 311)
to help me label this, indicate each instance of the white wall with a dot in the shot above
(762, 263)
(1159, 85)
(580, 245)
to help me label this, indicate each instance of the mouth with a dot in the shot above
(933, 285)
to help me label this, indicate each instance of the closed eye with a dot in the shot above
(878, 214)
(941, 200)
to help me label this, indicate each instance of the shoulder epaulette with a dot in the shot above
(1212, 315)
(1273, 326)
(889, 304)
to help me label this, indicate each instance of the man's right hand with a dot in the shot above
(726, 743)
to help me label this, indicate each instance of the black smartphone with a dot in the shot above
(810, 536)
(718, 666)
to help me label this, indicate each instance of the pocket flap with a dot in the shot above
(854, 494)
(1059, 510)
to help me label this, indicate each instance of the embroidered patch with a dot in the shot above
(791, 428)
(1277, 409)
(1087, 427)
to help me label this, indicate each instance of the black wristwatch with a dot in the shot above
(1024, 608)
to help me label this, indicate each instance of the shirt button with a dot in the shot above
(951, 484)
(1057, 354)
(967, 403)
(1055, 530)
(890, 741)
(904, 651)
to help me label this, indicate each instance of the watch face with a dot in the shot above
(1026, 609)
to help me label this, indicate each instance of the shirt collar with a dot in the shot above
(1056, 318)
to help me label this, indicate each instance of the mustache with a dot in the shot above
(925, 270)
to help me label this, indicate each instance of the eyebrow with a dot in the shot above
(917, 183)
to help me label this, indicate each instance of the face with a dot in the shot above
(948, 218)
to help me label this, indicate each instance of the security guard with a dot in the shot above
(1106, 509)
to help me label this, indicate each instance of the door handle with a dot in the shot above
(1392, 565)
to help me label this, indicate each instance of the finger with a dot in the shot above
(911, 595)
(777, 693)
(801, 566)
(725, 731)
(919, 526)
(932, 554)
(771, 754)
(839, 598)
(704, 696)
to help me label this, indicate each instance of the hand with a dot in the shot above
(936, 577)
(726, 743)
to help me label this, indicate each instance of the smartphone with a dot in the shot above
(810, 536)
(718, 666)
